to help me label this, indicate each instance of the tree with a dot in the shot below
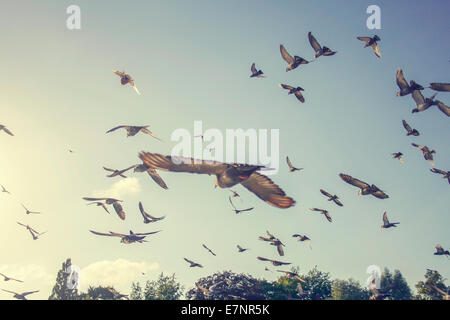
(136, 291)
(348, 290)
(61, 289)
(228, 285)
(317, 286)
(425, 289)
(165, 288)
(102, 293)
(399, 287)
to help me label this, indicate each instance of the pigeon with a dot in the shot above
(445, 174)
(4, 190)
(293, 62)
(422, 104)
(398, 155)
(333, 198)
(427, 154)
(276, 263)
(436, 86)
(372, 42)
(302, 238)
(152, 173)
(291, 167)
(386, 223)
(116, 205)
(241, 249)
(319, 50)
(364, 187)
(100, 204)
(147, 217)
(28, 211)
(116, 172)
(227, 175)
(441, 252)
(134, 130)
(35, 234)
(6, 278)
(409, 130)
(296, 91)
(125, 79)
(406, 89)
(2, 127)
(292, 275)
(21, 296)
(441, 106)
(324, 212)
(256, 73)
(208, 249)
(236, 210)
(126, 238)
(192, 263)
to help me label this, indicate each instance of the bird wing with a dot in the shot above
(111, 234)
(380, 194)
(120, 74)
(29, 292)
(146, 233)
(119, 210)
(365, 39)
(376, 50)
(156, 177)
(434, 170)
(115, 128)
(418, 97)
(406, 126)
(9, 291)
(316, 46)
(327, 215)
(280, 250)
(339, 203)
(254, 68)
(299, 96)
(285, 86)
(145, 130)
(400, 79)
(232, 204)
(189, 261)
(263, 259)
(385, 218)
(353, 181)
(289, 163)
(445, 109)
(108, 169)
(266, 190)
(7, 131)
(95, 199)
(189, 165)
(440, 86)
(417, 146)
(135, 88)
(285, 55)
(325, 193)
(144, 214)
(22, 224)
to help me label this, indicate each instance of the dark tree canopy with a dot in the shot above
(348, 290)
(61, 290)
(425, 289)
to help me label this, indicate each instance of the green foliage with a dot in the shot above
(399, 287)
(424, 288)
(165, 288)
(136, 291)
(60, 289)
(317, 286)
(348, 290)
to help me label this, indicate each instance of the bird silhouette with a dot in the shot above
(386, 223)
(297, 91)
(318, 49)
(445, 174)
(125, 79)
(333, 198)
(293, 62)
(126, 238)
(409, 130)
(193, 264)
(427, 153)
(291, 167)
(256, 73)
(372, 42)
(324, 212)
(364, 187)
(406, 89)
(147, 217)
(6, 130)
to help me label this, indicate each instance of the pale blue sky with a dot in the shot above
(191, 61)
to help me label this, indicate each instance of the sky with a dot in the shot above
(191, 61)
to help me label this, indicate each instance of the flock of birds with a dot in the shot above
(228, 175)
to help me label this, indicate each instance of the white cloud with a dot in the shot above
(120, 189)
(119, 273)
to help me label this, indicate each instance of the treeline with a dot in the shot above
(227, 285)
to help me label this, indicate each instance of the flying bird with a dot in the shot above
(386, 223)
(227, 175)
(398, 155)
(444, 108)
(237, 211)
(427, 154)
(302, 238)
(208, 249)
(296, 91)
(406, 89)
(4, 190)
(6, 278)
(152, 173)
(256, 73)
(333, 198)
(318, 49)
(28, 211)
(409, 130)
(35, 234)
(364, 187)
(445, 174)
(21, 296)
(241, 249)
(125, 79)
(372, 42)
(126, 238)
(235, 194)
(422, 104)
(120, 173)
(134, 130)
(276, 263)
(293, 62)
(437, 86)
(2, 127)
(291, 167)
(441, 252)
(147, 217)
(116, 205)
(324, 212)
(99, 204)
(193, 264)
